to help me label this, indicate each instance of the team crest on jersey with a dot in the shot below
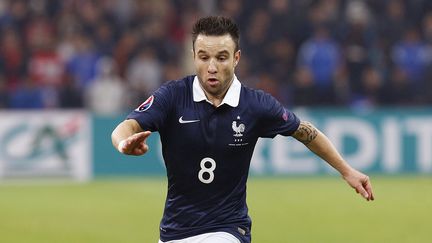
(145, 105)
(238, 128)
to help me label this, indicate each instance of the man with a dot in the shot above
(209, 125)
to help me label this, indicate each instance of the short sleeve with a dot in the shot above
(275, 119)
(151, 115)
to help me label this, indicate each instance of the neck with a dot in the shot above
(216, 99)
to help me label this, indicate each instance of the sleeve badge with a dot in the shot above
(145, 105)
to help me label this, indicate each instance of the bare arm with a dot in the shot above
(129, 138)
(318, 143)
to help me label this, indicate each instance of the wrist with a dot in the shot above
(346, 171)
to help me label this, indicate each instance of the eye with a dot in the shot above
(204, 58)
(222, 58)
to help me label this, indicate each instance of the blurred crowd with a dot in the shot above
(109, 55)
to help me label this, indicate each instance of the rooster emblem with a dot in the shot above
(238, 129)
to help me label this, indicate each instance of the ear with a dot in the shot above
(237, 56)
(193, 53)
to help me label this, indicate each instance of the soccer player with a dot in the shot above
(209, 124)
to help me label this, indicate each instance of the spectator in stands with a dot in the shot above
(105, 88)
(371, 93)
(392, 23)
(304, 91)
(412, 56)
(283, 19)
(16, 15)
(46, 68)
(124, 50)
(256, 40)
(321, 55)
(399, 91)
(4, 94)
(27, 95)
(233, 9)
(281, 60)
(357, 37)
(70, 96)
(82, 65)
(283, 37)
(104, 39)
(12, 57)
(144, 73)
(427, 28)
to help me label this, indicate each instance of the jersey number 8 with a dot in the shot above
(207, 170)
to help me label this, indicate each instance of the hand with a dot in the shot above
(361, 183)
(135, 144)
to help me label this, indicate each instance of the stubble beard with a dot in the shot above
(221, 90)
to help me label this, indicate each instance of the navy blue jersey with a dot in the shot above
(207, 152)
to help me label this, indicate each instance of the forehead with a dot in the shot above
(215, 44)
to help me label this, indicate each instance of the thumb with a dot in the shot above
(122, 146)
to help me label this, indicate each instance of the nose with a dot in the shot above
(212, 67)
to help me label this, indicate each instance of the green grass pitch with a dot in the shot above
(300, 209)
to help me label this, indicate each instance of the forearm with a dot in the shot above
(318, 143)
(323, 147)
(124, 130)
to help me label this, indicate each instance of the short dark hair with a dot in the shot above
(216, 26)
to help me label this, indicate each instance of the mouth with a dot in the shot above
(212, 81)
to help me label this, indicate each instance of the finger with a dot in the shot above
(135, 140)
(362, 192)
(143, 148)
(127, 146)
(368, 188)
(141, 136)
(140, 150)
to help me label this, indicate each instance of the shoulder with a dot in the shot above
(263, 104)
(179, 83)
(257, 97)
(173, 87)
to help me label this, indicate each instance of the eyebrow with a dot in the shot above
(224, 52)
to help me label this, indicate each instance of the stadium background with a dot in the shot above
(71, 70)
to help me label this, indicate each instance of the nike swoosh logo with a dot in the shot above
(186, 121)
